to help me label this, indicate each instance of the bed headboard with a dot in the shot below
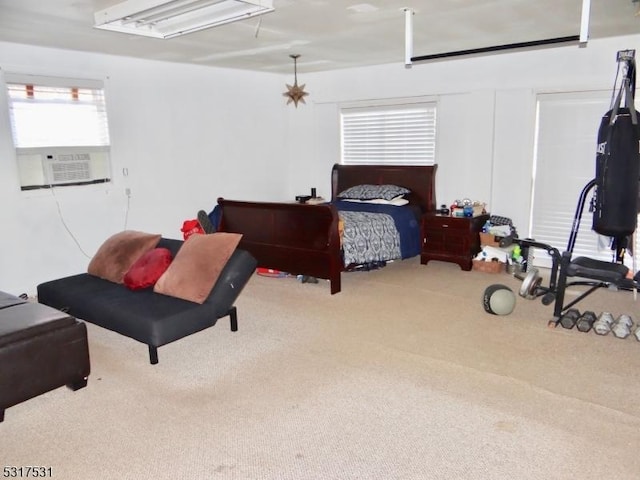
(419, 179)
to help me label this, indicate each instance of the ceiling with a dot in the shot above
(328, 34)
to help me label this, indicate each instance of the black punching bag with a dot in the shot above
(618, 168)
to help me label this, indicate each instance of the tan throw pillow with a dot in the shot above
(116, 255)
(197, 266)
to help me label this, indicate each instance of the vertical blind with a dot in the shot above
(47, 112)
(404, 134)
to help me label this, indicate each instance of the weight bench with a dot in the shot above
(41, 349)
(597, 274)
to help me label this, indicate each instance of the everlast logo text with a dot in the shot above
(601, 147)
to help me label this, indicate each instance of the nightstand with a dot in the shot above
(451, 239)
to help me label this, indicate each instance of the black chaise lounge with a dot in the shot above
(151, 318)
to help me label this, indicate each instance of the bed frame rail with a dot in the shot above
(295, 238)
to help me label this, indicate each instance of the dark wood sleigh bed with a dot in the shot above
(304, 239)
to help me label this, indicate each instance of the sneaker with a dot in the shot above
(205, 222)
(308, 279)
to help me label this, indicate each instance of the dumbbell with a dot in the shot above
(602, 325)
(621, 328)
(586, 321)
(569, 318)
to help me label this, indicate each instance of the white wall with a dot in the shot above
(486, 117)
(186, 135)
(189, 134)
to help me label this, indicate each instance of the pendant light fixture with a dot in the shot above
(294, 92)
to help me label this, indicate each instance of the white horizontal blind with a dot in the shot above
(47, 112)
(390, 134)
(567, 131)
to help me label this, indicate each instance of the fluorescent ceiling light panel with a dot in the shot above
(171, 18)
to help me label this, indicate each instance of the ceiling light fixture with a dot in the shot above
(294, 92)
(171, 18)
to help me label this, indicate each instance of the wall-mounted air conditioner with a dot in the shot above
(60, 166)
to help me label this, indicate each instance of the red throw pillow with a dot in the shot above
(146, 271)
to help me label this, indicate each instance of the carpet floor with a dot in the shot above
(402, 375)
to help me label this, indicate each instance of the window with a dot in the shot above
(60, 130)
(389, 134)
(565, 161)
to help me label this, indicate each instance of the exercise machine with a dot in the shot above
(614, 207)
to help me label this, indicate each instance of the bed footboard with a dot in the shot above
(291, 237)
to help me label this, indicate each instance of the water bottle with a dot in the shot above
(468, 211)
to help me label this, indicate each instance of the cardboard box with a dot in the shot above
(489, 267)
(488, 239)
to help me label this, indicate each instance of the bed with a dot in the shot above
(322, 240)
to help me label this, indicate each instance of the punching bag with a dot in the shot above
(618, 166)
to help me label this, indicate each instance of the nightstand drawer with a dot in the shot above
(448, 223)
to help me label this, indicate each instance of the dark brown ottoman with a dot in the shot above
(41, 349)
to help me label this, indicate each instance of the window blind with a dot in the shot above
(50, 112)
(400, 134)
(565, 161)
